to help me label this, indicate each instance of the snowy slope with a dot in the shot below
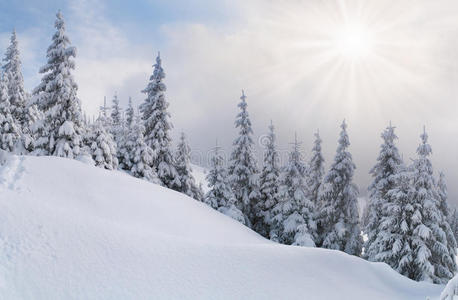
(72, 231)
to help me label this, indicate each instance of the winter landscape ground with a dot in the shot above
(73, 231)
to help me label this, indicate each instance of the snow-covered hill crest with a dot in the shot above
(73, 231)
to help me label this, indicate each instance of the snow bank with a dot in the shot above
(73, 231)
(451, 290)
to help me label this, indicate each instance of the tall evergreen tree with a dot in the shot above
(428, 239)
(242, 168)
(102, 146)
(315, 171)
(384, 173)
(9, 130)
(395, 238)
(129, 113)
(140, 154)
(56, 97)
(339, 217)
(16, 91)
(188, 184)
(220, 195)
(117, 128)
(447, 261)
(116, 113)
(157, 127)
(123, 151)
(269, 184)
(293, 215)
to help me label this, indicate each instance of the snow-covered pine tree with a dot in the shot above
(157, 127)
(314, 177)
(188, 184)
(220, 195)
(9, 130)
(383, 173)
(123, 151)
(315, 171)
(428, 239)
(339, 217)
(268, 183)
(16, 91)
(140, 154)
(129, 113)
(293, 216)
(242, 167)
(34, 122)
(116, 113)
(395, 238)
(102, 146)
(117, 128)
(56, 97)
(448, 261)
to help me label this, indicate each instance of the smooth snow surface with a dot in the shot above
(73, 231)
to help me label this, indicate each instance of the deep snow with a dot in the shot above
(73, 231)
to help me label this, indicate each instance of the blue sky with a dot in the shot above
(140, 21)
(296, 60)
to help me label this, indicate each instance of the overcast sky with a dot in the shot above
(397, 63)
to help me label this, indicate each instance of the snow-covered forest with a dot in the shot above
(407, 223)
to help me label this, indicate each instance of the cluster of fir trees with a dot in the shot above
(50, 121)
(295, 204)
(408, 222)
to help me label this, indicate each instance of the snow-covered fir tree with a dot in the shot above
(220, 195)
(101, 145)
(129, 113)
(157, 127)
(315, 171)
(242, 167)
(339, 217)
(56, 97)
(396, 248)
(448, 261)
(428, 239)
(140, 154)
(106, 114)
(293, 216)
(34, 121)
(117, 122)
(188, 184)
(10, 134)
(15, 83)
(123, 151)
(268, 185)
(116, 113)
(383, 173)
(117, 128)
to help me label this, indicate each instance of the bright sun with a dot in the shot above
(354, 42)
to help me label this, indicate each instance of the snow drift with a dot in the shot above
(73, 231)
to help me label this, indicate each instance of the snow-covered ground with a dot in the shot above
(72, 231)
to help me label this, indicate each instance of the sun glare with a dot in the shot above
(354, 42)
